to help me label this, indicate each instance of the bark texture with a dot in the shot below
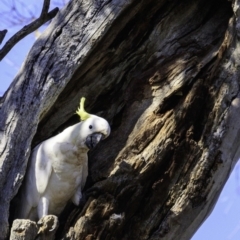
(23, 230)
(165, 74)
(44, 229)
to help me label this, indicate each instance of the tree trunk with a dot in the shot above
(165, 74)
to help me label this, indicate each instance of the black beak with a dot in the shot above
(93, 139)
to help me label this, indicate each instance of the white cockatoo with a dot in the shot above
(58, 167)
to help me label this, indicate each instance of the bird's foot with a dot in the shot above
(48, 226)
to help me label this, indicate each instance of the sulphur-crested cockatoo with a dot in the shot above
(58, 167)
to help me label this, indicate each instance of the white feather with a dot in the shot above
(58, 170)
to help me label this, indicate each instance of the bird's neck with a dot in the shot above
(71, 135)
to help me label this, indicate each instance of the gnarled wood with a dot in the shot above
(45, 228)
(23, 230)
(45, 73)
(166, 76)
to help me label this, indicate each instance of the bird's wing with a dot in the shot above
(72, 155)
(43, 167)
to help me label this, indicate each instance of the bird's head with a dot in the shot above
(93, 128)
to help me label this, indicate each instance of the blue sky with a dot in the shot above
(10, 65)
(12, 62)
(222, 224)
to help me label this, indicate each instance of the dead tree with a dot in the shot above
(165, 74)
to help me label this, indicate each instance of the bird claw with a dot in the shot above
(54, 226)
(48, 223)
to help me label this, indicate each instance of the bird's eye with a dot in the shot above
(90, 127)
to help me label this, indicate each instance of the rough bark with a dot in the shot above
(166, 76)
(24, 229)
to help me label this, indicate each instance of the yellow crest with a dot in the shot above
(81, 111)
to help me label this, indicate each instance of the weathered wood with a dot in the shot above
(166, 76)
(23, 230)
(45, 228)
(55, 56)
(167, 160)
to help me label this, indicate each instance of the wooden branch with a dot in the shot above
(45, 9)
(2, 35)
(45, 16)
